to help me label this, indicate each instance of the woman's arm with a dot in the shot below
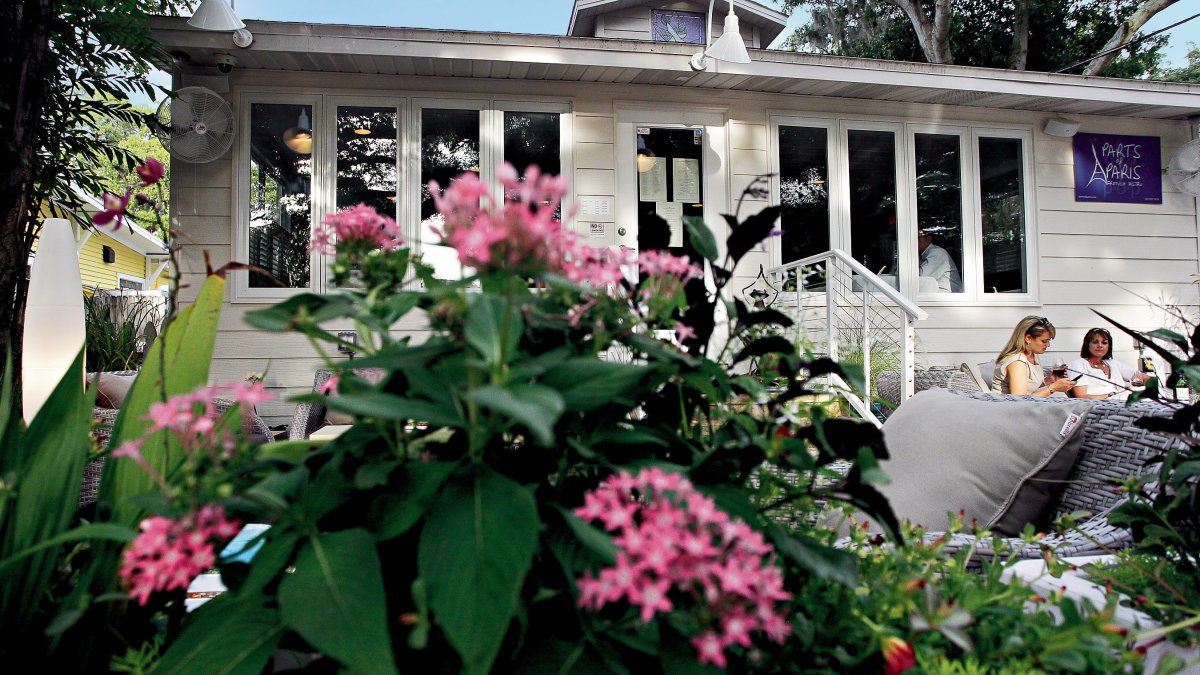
(1018, 384)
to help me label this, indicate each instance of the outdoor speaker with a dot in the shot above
(1060, 126)
(108, 254)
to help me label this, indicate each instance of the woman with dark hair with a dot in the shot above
(1098, 374)
(1017, 368)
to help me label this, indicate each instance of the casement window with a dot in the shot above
(308, 156)
(941, 212)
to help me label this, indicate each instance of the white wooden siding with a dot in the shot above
(1149, 251)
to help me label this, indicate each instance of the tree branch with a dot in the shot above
(1019, 56)
(1125, 33)
(933, 35)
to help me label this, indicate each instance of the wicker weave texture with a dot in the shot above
(309, 417)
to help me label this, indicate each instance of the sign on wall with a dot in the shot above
(1118, 168)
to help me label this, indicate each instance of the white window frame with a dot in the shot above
(121, 276)
(241, 195)
(1028, 187)
(839, 195)
(329, 136)
(565, 137)
(971, 247)
(487, 167)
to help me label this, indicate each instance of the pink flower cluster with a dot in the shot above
(670, 537)
(115, 207)
(193, 418)
(357, 225)
(665, 274)
(169, 553)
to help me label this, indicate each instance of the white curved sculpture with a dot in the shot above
(54, 331)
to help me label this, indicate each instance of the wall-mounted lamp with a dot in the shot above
(53, 316)
(217, 15)
(645, 156)
(1061, 126)
(729, 47)
(299, 138)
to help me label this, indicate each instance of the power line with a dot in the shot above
(1121, 47)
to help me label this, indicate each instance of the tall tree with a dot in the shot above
(65, 65)
(1019, 34)
(1188, 73)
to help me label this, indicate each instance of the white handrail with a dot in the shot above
(880, 286)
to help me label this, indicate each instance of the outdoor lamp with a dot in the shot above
(645, 156)
(54, 331)
(299, 138)
(729, 47)
(217, 15)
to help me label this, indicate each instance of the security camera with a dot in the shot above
(225, 62)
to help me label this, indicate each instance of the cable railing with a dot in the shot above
(847, 312)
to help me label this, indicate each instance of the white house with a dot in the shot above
(865, 154)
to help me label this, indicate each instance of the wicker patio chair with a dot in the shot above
(309, 417)
(955, 378)
(1112, 448)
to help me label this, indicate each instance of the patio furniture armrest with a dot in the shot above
(308, 418)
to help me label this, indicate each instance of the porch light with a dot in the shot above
(54, 330)
(218, 15)
(299, 138)
(645, 156)
(729, 47)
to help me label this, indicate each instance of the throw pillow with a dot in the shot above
(999, 461)
(112, 388)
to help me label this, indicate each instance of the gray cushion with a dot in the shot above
(1000, 462)
(112, 387)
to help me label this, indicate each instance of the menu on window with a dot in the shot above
(685, 179)
(672, 212)
(652, 183)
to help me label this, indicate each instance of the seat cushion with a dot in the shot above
(112, 387)
(1000, 462)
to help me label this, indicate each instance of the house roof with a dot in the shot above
(770, 23)
(130, 234)
(285, 46)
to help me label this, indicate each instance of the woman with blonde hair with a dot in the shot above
(1017, 368)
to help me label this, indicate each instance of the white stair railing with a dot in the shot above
(847, 312)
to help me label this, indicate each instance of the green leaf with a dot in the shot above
(315, 308)
(823, 561)
(226, 635)
(335, 600)
(493, 328)
(474, 553)
(1170, 663)
(384, 406)
(702, 238)
(592, 537)
(86, 532)
(405, 357)
(183, 351)
(587, 384)
(394, 513)
(534, 406)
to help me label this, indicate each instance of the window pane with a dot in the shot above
(939, 213)
(803, 191)
(873, 201)
(1002, 194)
(670, 172)
(280, 193)
(532, 139)
(366, 158)
(449, 147)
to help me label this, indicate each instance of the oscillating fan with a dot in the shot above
(1184, 168)
(195, 126)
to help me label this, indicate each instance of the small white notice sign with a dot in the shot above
(595, 206)
(652, 182)
(596, 230)
(685, 179)
(672, 212)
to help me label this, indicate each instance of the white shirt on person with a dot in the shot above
(937, 264)
(1116, 382)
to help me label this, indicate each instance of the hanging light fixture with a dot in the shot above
(729, 47)
(54, 330)
(299, 138)
(645, 156)
(218, 15)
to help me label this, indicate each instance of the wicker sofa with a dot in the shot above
(1112, 449)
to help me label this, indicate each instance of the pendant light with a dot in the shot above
(299, 138)
(729, 47)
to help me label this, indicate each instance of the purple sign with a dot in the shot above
(1118, 168)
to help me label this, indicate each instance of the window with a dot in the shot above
(872, 181)
(449, 147)
(1002, 215)
(367, 155)
(130, 283)
(804, 191)
(938, 175)
(532, 139)
(280, 194)
(674, 26)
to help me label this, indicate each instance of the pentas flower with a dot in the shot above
(150, 172)
(898, 656)
(114, 210)
(676, 548)
(359, 228)
(168, 553)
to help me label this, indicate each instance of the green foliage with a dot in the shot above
(1188, 73)
(112, 340)
(136, 142)
(1061, 32)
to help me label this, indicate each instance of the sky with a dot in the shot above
(550, 17)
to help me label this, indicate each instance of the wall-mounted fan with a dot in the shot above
(196, 125)
(1184, 168)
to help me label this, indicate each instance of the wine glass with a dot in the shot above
(1059, 369)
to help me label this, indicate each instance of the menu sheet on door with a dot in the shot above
(652, 183)
(672, 212)
(685, 179)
